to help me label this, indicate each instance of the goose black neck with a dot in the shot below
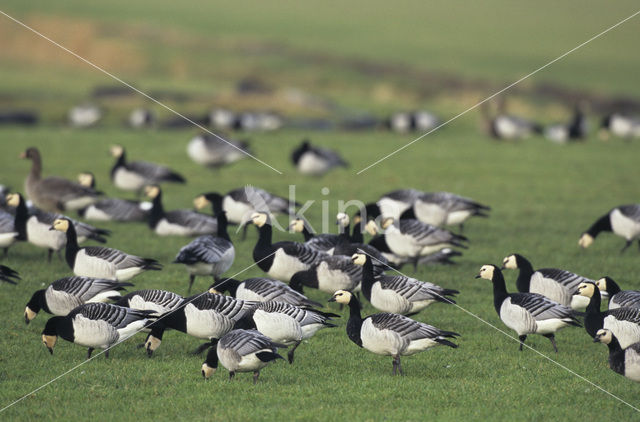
(594, 303)
(222, 225)
(602, 225)
(367, 278)
(157, 211)
(265, 234)
(263, 248)
(72, 245)
(594, 319)
(228, 285)
(354, 324)
(59, 326)
(356, 234)
(612, 287)
(120, 162)
(499, 290)
(306, 233)
(212, 355)
(523, 284)
(20, 220)
(38, 302)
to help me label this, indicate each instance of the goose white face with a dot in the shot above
(297, 225)
(342, 219)
(214, 291)
(201, 202)
(586, 289)
(603, 336)
(510, 262)
(49, 342)
(602, 284)
(259, 218)
(342, 296)
(486, 272)
(60, 225)
(371, 227)
(152, 191)
(13, 200)
(207, 371)
(359, 258)
(585, 240)
(116, 151)
(387, 222)
(85, 179)
(29, 315)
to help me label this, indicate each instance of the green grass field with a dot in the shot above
(543, 196)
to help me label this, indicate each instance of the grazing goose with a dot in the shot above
(390, 334)
(205, 316)
(177, 222)
(328, 274)
(315, 161)
(241, 351)
(95, 325)
(262, 289)
(287, 324)
(135, 175)
(623, 322)
(84, 115)
(399, 294)
(618, 298)
(112, 209)
(393, 204)
(54, 193)
(281, 260)
(8, 275)
(527, 313)
(623, 221)
(212, 151)
(34, 228)
(240, 203)
(558, 285)
(620, 125)
(443, 256)
(445, 209)
(66, 294)
(324, 242)
(141, 118)
(208, 255)
(574, 130)
(98, 261)
(404, 122)
(505, 126)
(623, 361)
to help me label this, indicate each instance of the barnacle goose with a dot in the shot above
(281, 260)
(399, 294)
(443, 256)
(84, 115)
(240, 203)
(507, 126)
(65, 294)
(54, 193)
(208, 255)
(620, 125)
(95, 325)
(393, 204)
(623, 322)
(287, 324)
(315, 161)
(8, 275)
(206, 316)
(141, 118)
(420, 120)
(328, 274)
(112, 209)
(323, 242)
(241, 351)
(390, 334)
(623, 221)
(558, 285)
(445, 209)
(135, 175)
(262, 289)
(527, 313)
(618, 298)
(177, 222)
(623, 361)
(98, 261)
(212, 151)
(575, 129)
(34, 227)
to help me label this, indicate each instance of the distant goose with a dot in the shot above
(323, 242)
(98, 261)
(205, 316)
(558, 285)
(399, 294)
(96, 326)
(65, 294)
(618, 298)
(623, 221)
(141, 118)
(623, 361)
(212, 151)
(135, 175)
(281, 260)
(288, 324)
(403, 122)
(208, 255)
(241, 351)
(527, 313)
(54, 193)
(262, 289)
(620, 125)
(315, 161)
(390, 334)
(506, 126)
(445, 209)
(443, 256)
(112, 209)
(84, 115)
(623, 322)
(8, 275)
(575, 129)
(240, 203)
(393, 204)
(177, 222)
(328, 274)
(34, 227)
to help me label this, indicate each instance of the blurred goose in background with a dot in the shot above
(390, 334)
(241, 351)
(415, 121)
(623, 221)
(240, 203)
(177, 222)
(315, 161)
(575, 130)
(262, 289)
(8, 275)
(214, 151)
(65, 294)
(84, 115)
(444, 209)
(98, 261)
(53, 193)
(135, 175)
(140, 118)
(112, 209)
(626, 361)
(620, 125)
(328, 274)
(506, 126)
(618, 298)
(393, 204)
(322, 242)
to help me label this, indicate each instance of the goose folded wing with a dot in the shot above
(304, 253)
(245, 342)
(343, 264)
(6, 222)
(85, 287)
(151, 171)
(118, 258)
(411, 288)
(568, 279)
(540, 307)
(121, 209)
(208, 249)
(631, 211)
(195, 220)
(322, 242)
(405, 327)
(117, 316)
(628, 298)
(230, 307)
(60, 189)
(625, 314)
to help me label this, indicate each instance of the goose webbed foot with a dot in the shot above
(626, 245)
(256, 374)
(522, 339)
(89, 352)
(397, 367)
(292, 351)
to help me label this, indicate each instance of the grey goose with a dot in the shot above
(216, 151)
(112, 209)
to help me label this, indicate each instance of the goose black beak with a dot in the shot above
(23, 155)
(51, 228)
(50, 350)
(596, 339)
(477, 276)
(503, 268)
(333, 299)
(26, 318)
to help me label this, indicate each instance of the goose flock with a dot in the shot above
(245, 324)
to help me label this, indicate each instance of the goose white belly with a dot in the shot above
(388, 300)
(632, 365)
(136, 302)
(457, 217)
(549, 288)
(380, 342)
(310, 330)
(430, 213)
(96, 214)
(247, 363)
(517, 318)
(431, 249)
(311, 164)
(279, 327)
(198, 152)
(419, 345)
(104, 296)
(624, 226)
(7, 239)
(165, 228)
(507, 128)
(199, 268)
(126, 274)
(549, 326)
(90, 266)
(237, 212)
(128, 180)
(620, 126)
(392, 208)
(330, 281)
(402, 244)
(40, 235)
(248, 295)
(79, 203)
(206, 324)
(627, 332)
(285, 266)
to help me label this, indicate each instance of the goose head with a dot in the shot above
(296, 225)
(30, 154)
(13, 199)
(116, 151)
(87, 179)
(61, 225)
(259, 218)
(341, 296)
(586, 289)
(487, 272)
(603, 336)
(371, 227)
(585, 240)
(152, 191)
(359, 258)
(342, 219)
(387, 222)
(510, 262)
